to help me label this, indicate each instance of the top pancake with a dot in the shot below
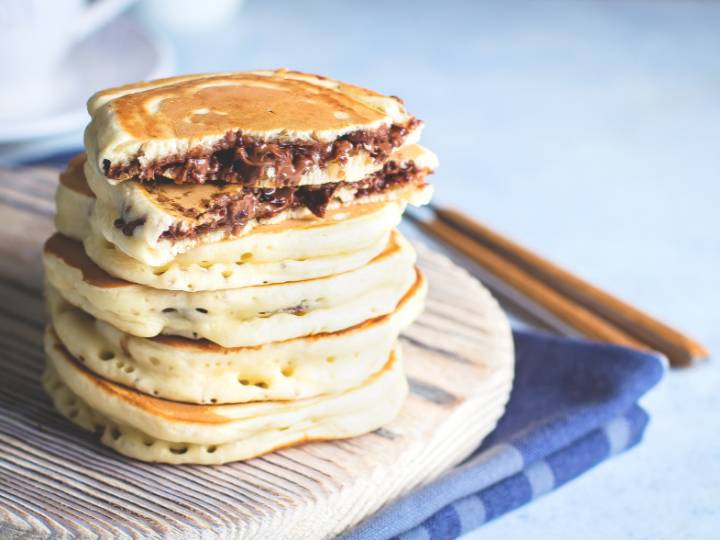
(157, 121)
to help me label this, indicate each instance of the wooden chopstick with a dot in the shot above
(575, 315)
(641, 328)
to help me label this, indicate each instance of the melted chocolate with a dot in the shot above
(128, 227)
(239, 158)
(232, 211)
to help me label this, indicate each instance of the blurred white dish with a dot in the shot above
(28, 63)
(189, 16)
(122, 52)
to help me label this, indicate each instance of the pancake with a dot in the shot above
(202, 372)
(260, 128)
(233, 317)
(290, 251)
(206, 275)
(153, 429)
(74, 200)
(169, 219)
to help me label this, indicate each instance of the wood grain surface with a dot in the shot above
(57, 481)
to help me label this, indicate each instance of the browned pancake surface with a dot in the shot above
(251, 102)
(72, 253)
(73, 177)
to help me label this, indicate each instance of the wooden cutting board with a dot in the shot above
(56, 480)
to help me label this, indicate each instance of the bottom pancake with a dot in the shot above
(152, 429)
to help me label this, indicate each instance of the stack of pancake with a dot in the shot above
(226, 278)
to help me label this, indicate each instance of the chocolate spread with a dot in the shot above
(243, 159)
(231, 211)
(128, 227)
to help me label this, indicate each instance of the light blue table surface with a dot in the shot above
(587, 130)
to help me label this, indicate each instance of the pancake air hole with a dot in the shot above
(201, 310)
(244, 382)
(227, 274)
(107, 355)
(211, 449)
(245, 257)
(330, 359)
(178, 449)
(115, 433)
(261, 384)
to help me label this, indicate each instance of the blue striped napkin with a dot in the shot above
(573, 405)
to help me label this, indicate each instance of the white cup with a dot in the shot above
(36, 35)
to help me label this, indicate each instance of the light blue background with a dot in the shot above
(588, 130)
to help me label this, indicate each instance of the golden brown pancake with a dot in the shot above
(72, 253)
(73, 177)
(246, 127)
(254, 102)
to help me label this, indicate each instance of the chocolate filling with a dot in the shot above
(128, 227)
(232, 211)
(244, 159)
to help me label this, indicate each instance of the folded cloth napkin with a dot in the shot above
(573, 405)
